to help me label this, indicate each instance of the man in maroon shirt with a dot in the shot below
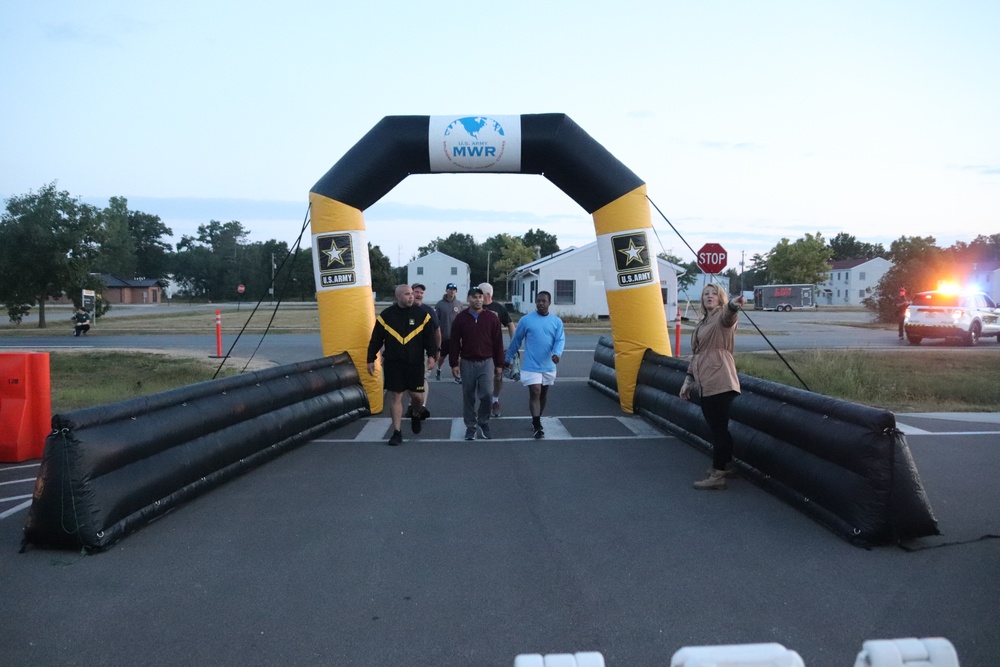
(476, 357)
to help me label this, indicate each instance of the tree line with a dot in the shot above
(52, 244)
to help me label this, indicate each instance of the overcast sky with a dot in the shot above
(748, 121)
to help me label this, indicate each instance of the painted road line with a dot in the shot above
(911, 430)
(15, 510)
(18, 481)
(640, 427)
(375, 428)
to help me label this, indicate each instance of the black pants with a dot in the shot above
(716, 411)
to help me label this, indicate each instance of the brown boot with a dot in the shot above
(715, 479)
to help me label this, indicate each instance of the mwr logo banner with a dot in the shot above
(474, 143)
(340, 259)
(626, 261)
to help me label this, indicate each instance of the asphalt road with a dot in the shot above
(444, 552)
(759, 331)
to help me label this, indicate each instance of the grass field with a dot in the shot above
(81, 379)
(942, 380)
(932, 380)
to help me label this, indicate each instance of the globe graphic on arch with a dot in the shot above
(474, 142)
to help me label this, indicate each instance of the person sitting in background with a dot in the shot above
(81, 322)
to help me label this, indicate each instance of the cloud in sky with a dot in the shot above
(748, 122)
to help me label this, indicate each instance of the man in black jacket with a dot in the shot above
(405, 332)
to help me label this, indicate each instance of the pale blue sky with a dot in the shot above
(748, 121)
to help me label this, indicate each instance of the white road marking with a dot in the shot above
(375, 428)
(14, 510)
(18, 481)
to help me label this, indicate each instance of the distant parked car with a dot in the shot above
(963, 316)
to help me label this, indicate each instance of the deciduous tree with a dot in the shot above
(48, 241)
(804, 261)
(545, 242)
(117, 255)
(209, 265)
(845, 246)
(512, 252)
(916, 267)
(152, 254)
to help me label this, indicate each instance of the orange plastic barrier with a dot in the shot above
(25, 405)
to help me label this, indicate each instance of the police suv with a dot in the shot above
(964, 316)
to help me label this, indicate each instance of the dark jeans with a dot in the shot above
(716, 411)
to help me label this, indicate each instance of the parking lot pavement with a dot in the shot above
(346, 551)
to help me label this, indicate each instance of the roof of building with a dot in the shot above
(563, 254)
(842, 264)
(120, 283)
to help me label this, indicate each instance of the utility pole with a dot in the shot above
(488, 253)
(270, 290)
(742, 256)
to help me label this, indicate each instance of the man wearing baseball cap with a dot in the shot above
(447, 308)
(476, 357)
(505, 321)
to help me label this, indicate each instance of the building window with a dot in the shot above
(565, 292)
(861, 275)
(861, 294)
(420, 270)
(454, 270)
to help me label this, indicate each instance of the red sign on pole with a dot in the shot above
(241, 289)
(712, 258)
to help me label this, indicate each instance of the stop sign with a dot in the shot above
(712, 258)
(240, 288)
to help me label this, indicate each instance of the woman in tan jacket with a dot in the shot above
(712, 374)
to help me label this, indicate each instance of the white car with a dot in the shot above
(965, 316)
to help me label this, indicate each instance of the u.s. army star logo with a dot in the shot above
(632, 261)
(336, 260)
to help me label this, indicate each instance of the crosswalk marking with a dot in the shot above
(377, 428)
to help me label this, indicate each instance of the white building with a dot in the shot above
(850, 281)
(435, 271)
(576, 282)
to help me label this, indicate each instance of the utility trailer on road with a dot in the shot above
(783, 297)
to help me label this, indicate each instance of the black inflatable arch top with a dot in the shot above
(552, 146)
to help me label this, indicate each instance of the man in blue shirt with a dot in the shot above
(544, 340)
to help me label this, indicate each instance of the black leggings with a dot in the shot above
(716, 411)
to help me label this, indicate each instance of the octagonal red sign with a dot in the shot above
(712, 258)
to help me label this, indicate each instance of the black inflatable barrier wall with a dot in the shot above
(108, 470)
(844, 464)
(603, 376)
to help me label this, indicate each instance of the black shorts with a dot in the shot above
(400, 376)
(443, 353)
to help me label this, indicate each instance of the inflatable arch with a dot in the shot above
(548, 144)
